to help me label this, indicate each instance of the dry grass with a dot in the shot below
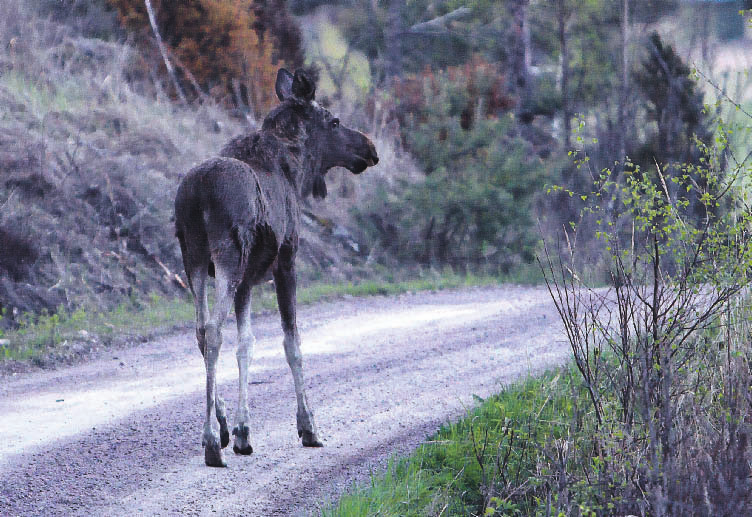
(91, 160)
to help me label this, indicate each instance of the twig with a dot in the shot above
(663, 180)
(440, 23)
(721, 91)
(190, 76)
(10, 196)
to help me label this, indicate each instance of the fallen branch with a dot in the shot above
(439, 23)
(169, 274)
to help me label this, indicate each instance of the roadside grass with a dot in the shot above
(134, 318)
(38, 335)
(537, 449)
(494, 461)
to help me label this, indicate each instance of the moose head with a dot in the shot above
(319, 135)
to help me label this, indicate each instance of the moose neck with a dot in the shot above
(288, 124)
(300, 161)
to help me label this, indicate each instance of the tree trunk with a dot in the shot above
(163, 51)
(392, 66)
(520, 53)
(563, 17)
(624, 96)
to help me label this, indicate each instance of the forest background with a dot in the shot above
(475, 106)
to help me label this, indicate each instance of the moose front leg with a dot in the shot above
(284, 280)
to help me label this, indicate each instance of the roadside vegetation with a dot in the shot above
(62, 336)
(500, 459)
(653, 415)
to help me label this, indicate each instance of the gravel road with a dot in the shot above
(120, 434)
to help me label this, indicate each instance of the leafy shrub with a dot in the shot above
(664, 351)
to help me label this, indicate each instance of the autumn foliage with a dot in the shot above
(220, 48)
(476, 84)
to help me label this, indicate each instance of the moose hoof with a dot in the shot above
(310, 439)
(242, 443)
(213, 454)
(224, 434)
(245, 451)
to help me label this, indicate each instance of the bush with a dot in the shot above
(232, 48)
(664, 352)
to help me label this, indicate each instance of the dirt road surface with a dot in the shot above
(120, 434)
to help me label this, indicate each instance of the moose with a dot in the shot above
(237, 217)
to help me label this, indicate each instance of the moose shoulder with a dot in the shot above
(237, 216)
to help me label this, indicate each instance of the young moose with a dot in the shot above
(237, 217)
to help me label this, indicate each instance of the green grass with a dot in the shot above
(41, 98)
(41, 334)
(318, 292)
(38, 335)
(446, 475)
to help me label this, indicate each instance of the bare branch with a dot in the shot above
(439, 24)
(189, 76)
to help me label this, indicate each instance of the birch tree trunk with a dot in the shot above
(563, 17)
(163, 51)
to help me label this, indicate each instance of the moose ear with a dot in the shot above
(302, 86)
(283, 86)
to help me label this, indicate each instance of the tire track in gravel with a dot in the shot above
(382, 374)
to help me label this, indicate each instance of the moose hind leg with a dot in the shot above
(198, 286)
(284, 280)
(223, 300)
(246, 343)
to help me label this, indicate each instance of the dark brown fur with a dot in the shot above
(238, 215)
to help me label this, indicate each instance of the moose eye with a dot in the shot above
(335, 123)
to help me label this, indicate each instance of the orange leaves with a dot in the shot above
(215, 42)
